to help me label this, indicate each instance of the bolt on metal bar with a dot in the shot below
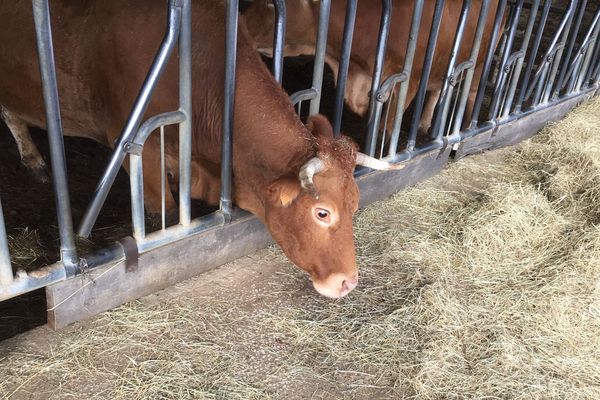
(445, 98)
(408, 63)
(570, 47)
(512, 89)
(558, 57)
(135, 118)
(427, 64)
(43, 31)
(504, 68)
(279, 39)
(185, 106)
(6, 274)
(533, 55)
(462, 105)
(344, 63)
(487, 65)
(226, 204)
(319, 64)
(374, 117)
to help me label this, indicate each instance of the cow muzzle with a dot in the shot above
(336, 285)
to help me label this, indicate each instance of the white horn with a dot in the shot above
(374, 163)
(307, 172)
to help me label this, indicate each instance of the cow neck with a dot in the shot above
(271, 141)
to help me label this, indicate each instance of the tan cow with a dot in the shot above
(302, 16)
(299, 183)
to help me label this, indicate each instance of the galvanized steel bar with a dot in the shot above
(344, 63)
(483, 15)
(572, 39)
(519, 63)
(279, 39)
(420, 98)
(319, 64)
(595, 58)
(6, 274)
(504, 68)
(487, 66)
(135, 117)
(533, 55)
(408, 63)
(43, 31)
(231, 23)
(185, 106)
(588, 57)
(443, 104)
(374, 117)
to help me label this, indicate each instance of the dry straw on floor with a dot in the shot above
(481, 283)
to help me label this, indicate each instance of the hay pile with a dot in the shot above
(481, 283)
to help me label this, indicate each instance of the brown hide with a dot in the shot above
(301, 38)
(103, 50)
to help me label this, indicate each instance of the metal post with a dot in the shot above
(185, 105)
(41, 15)
(343, 66)
(6, 274)
(321, 47)
(135, 118)
(420, 99)
(279, 39)
(411, 47)
(589, 51)
(228, 106)
(519, 66)
(487, 65)
(374, 117)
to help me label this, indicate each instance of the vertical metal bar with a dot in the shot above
(319, 65)
(137, 196)
(279, 39)
(6, 274)
(374, 117)
(410, 56)
(558, 57)
(163, 186)
(519, 63)
(483, 15)
(588, 55)
(228, 106)
(567, 59)
(595, 58)
(420, 99)
(41, 14)
(487, 65)
(503, 70)
(443, 104)
(343, 66)
(135, 118)
(534, 51)
(185, 105)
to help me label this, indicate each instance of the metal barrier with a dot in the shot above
(528, 72)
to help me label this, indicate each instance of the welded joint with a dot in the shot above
(133, 148)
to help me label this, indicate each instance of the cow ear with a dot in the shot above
(283, 191)
(320, 126)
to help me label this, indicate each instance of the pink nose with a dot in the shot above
(348, 285)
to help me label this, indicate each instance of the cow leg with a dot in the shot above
(428, 111)
(30, 156)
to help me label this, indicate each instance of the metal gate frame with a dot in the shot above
(525, 97)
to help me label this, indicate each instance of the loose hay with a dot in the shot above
(470, 288)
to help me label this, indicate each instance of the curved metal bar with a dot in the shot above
(155, 122)
(343, 66)
(383, 93)
(279, 39)
(572, 39)
(135, 117)
(302, 95)
(374, 117)
(588, 56)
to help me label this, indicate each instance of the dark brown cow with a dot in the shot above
(301, 30)
(299, 183)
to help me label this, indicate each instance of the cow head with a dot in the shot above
(309, 213)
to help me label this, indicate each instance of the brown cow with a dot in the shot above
(300, 184)
(302, 16)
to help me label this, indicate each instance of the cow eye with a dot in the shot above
(323, 215)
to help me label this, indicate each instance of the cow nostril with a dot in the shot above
(348, 285)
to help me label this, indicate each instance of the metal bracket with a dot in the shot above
(133, 148)
(131, 253)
